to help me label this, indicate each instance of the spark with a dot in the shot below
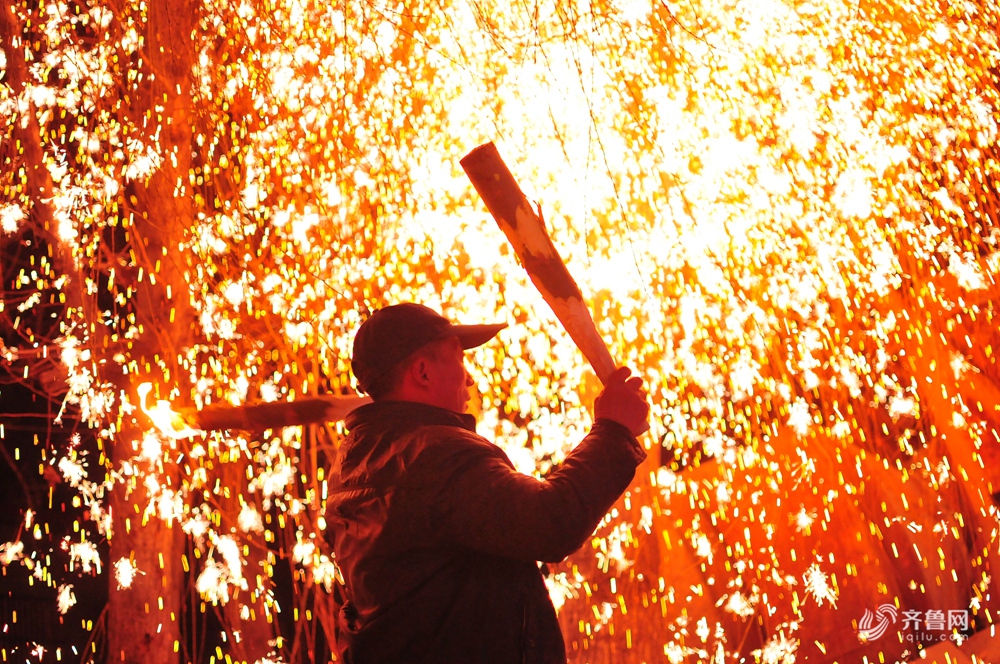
(799, 417)
(702, 546)
(11, 217)
(806, 467)
(86, 556)
(967, 271)
(816, 584)
(66, 599)
(741, 605)
(230, 552)
(249, 519)
(646, 519)
(562, 587)
(151, 449)
(10, 552)
(779, 649)
(325, 572)
(959, 365)
(900, 405)
(613, 548)
(125, 572)
(270, 659)
(702, 630)
(803, 519)
(212, 583)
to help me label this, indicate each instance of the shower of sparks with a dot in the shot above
(784, 213)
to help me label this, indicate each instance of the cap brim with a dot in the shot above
(471, 336)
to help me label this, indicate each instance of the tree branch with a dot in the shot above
(261, 416)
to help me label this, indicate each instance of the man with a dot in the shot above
(437, 535)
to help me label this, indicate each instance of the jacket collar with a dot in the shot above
(411, 413)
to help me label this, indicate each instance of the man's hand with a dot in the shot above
(624, 401)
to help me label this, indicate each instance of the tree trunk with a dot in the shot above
(144, 620)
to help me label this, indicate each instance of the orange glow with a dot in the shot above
(167, 421)
(784, 215)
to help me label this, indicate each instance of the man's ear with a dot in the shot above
(419, 373)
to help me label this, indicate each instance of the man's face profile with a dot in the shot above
(448, 380)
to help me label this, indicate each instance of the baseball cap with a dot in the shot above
(392, 334)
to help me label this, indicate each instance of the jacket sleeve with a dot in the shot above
(484, 504)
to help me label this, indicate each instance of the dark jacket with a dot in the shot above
(438, 536)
